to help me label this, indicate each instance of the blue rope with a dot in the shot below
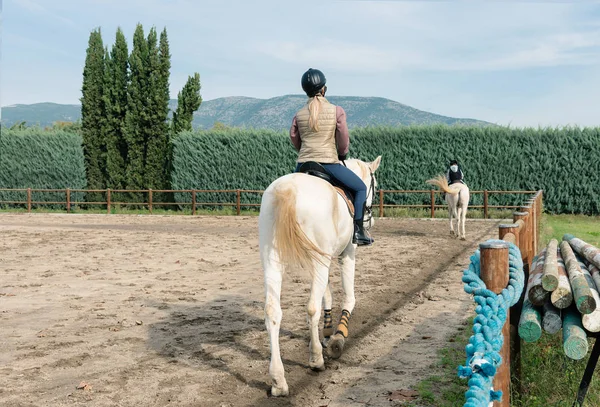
(483, 350)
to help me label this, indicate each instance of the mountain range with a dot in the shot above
(239, 111)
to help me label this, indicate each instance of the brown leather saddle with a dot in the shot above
(315, 169)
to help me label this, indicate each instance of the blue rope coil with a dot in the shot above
(483, 350)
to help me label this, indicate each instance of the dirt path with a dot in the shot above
(159, 311)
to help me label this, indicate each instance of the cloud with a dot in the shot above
(570, 49)
(37, 8)
(26, 43)
(338, 55)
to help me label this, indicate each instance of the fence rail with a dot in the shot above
(150, 203)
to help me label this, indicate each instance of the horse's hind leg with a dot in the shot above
(319, 285)
(327, 320)
(463, 221)
(460, 224)
(336, 345)
(273, 315)
(450, 213)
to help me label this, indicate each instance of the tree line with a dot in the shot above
(125, 122)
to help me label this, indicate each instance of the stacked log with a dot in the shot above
(563, 293)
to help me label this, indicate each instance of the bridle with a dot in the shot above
(368, 209)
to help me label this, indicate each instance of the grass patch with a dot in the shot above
(442, 213)
(444, 388)
(549, 378)
(225, 211)
(586, 228)
(123, 210)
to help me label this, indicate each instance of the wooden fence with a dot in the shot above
(524, 232)
(237, 199)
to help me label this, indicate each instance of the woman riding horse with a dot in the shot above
(319, 133)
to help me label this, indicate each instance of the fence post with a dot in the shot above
(193, 202)
(150, 201)
(485, 204)
(28, 200)
(68, 193)
(238, 201)
(108, 201)
(494, 273)
(381, 203)
(540, 209)
(432, 204)
(529, 233)
(509, 232)
(522, 217)
(534, 229)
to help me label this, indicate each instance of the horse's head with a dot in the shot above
(366, 172)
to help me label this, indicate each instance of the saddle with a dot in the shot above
(315, 169)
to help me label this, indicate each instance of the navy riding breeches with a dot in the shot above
(350, 180)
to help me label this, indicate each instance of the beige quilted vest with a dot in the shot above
(318, 145)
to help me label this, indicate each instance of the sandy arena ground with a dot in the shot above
(168, 311)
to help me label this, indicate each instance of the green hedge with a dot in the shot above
(38, 159)
(229, 159)
(563, 162)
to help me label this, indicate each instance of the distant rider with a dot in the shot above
(454, 173)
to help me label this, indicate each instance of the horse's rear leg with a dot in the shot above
(317, 292)
(337, 342)
(450, 213)
(273, 314)
(327, 319)
(462, 215)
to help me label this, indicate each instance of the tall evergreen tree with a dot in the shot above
(188, 101)
(115, 99)
(93, 114)
(136, 115)
(157, 128)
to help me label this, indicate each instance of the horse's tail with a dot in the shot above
(292, 245)
(441, 182)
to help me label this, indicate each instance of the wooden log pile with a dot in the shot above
(563, 292)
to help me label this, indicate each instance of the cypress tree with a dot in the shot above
(115, 99)
(136, 115)
(157, 129)
(188, 101)
(93, 114)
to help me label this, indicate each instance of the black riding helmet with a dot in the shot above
(453, 162)
(313, 81)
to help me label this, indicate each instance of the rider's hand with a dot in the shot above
(342, 157)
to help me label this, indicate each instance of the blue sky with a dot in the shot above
(524, 63)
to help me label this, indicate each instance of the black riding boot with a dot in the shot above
(361, 237)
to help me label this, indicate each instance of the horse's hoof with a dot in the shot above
(463, 238)
(336, 346)
(318, 367)
(325, 341)
(280, 391)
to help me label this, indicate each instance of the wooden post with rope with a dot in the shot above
(494, 273)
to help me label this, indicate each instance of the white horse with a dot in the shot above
(457, 196)
(305, 224)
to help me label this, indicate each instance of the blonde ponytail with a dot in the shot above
(314, 107)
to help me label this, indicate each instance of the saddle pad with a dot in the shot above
(348, 202)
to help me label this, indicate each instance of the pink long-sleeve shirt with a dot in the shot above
(342, 136)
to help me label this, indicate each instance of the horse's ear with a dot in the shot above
(375, 164)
